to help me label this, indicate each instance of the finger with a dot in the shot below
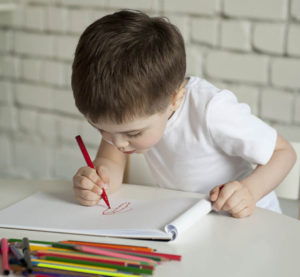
(90, 173)
(223, 196)
(104, 175)
(84, 183)
(243, 213)
(239, 207)
(232, 201)
(86, 202)
(214, 193)
(86, 195)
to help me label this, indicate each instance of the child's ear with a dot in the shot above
(177, 98)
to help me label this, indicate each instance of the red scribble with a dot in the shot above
(122, 208)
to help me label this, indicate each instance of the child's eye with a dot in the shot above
(134, 135)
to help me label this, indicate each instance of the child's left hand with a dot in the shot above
(234, 198)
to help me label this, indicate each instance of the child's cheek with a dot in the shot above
(147, 141)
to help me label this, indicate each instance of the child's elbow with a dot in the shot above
(293, 154)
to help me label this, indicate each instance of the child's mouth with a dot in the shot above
(129, 152)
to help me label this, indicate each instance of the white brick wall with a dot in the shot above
(285, 72)
(5, 157)
(276, 105)
(295, 9)
(251, 47)
(257, 9)
(293, 47)
(205, 30)
(200, 7)
(235, 34)
(269, 37)
(237, 67)
(34, 44)
(57, 19)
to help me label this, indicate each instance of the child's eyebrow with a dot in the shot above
(124, 132)
(132, 131)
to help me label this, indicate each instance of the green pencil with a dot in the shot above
(84, 262)
(31, 241)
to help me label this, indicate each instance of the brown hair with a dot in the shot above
(127, 64)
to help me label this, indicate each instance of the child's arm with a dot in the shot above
(239, 198)
(109, 169)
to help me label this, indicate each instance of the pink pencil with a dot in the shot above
(4, 253)
(97, 251)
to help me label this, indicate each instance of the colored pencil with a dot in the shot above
(18, 255)
(38, 247)
(20, 270)
(90, 164)
(109, 245)
(27, 256)
(112, 251)
(30, 241)
(71, 264)
(4, 254)
(97, 264)
(61, 273)
(58, 273)
(95, 244)
(154, 255)
(93, 250)
(94, 258)
(47, 275)
(17, 269)
(83, 269)
(98, 251)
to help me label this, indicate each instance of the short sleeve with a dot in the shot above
(236, 131)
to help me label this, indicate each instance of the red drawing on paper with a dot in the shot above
(122, 208)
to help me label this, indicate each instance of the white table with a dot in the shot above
(265, 244)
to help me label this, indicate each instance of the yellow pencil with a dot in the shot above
(34, 247)
(82, 268)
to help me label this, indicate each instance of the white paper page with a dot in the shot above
(61, 213)
(187, 219)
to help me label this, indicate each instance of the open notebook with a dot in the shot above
(158, 219)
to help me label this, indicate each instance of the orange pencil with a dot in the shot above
(108, 245)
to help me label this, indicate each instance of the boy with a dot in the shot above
(129, 82)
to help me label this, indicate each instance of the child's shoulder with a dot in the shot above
(202, 92)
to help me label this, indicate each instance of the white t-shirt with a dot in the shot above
(211, 140)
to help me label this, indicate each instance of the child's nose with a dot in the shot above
(120, 142)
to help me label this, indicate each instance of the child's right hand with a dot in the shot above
(88, 183)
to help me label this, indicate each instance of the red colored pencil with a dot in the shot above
(90, 164)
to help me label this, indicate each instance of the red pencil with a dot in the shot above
(90, 164)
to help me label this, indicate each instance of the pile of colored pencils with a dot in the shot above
(79, 258)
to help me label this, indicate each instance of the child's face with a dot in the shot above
(138, 135)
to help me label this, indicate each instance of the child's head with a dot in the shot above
(127, 64)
